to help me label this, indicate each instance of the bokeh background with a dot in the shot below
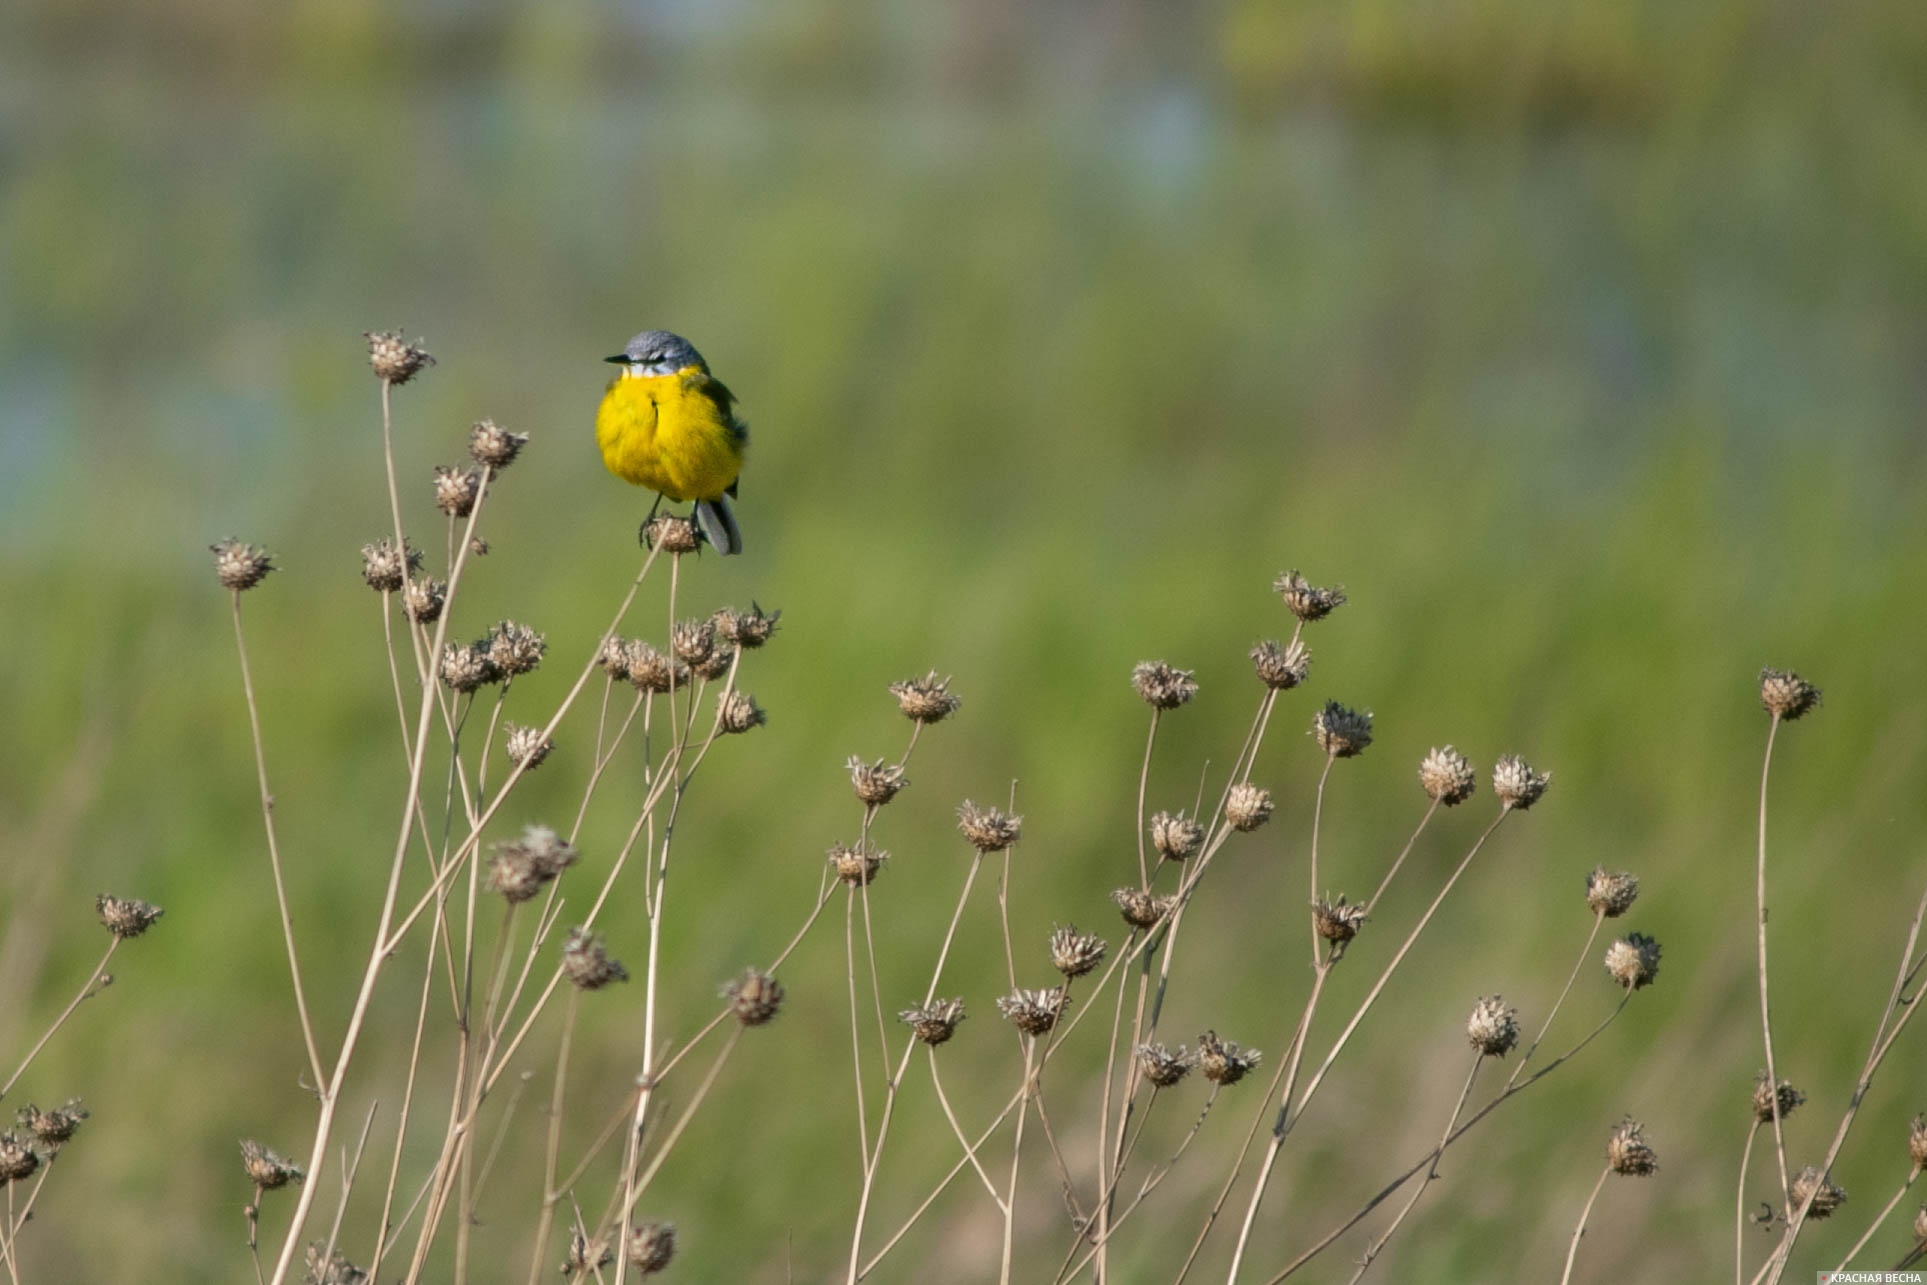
(1584, 343)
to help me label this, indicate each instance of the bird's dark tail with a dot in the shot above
(718, 522)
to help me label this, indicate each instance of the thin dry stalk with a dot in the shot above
(85, 993)
(1572, 1251)
(1766, 1018)
(1431, 1174)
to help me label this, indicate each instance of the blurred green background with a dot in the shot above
(1584, 343)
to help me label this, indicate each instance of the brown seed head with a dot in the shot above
(1627, 1152)
(586, 1253)
(754, 997)
(467, 668)
(423, 599)
(1281, 668)
(856, 866)
(385, 569)
(1247, 806)
(515, 649)
(1633, 960)
(1162, 1067)
(651, 671)
(126, 916)
(1493, 1028)
(1826, 1197)
(926, 699)
(988, 829)
(738, 712)
(747, 629)
(478, 546)
(1516, 784)
(586, 960)
(1336, 922)
(1917, 1141)
(1222, 1061)
(612, 657)
(525, 746)
(519, 868)
(936, 1021)
(1033, 1012)
(493, 446)
(1075, 954)
(651, 1246)
(1162, 687)
(1307, 601)
(267, 1170)
(1784, 694)
(1342, 732)
(1610, 894)
(1447, 776)
(240, 566)
(671, 534)
(1142, 909)
(52, 1128)
(17, 1159)
(1920, 1227)
(693, 640)
(875, 783)
(717, 663)
(325, 1268)
(457, 489)
(1176, 836)
(396, 361)
(1764, 1098)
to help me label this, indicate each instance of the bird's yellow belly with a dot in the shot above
(663, 433)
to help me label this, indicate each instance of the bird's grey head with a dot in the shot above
(658, 352)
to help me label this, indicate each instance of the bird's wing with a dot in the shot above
(717, 391)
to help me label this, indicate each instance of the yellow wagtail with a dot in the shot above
(666, 424)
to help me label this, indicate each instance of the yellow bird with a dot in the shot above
(667, 424)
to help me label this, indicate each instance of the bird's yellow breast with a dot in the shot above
(675, 434)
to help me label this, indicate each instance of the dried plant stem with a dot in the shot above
(1572, 1251)
(552, 1152)
(1016, 1163)
(1585, 951)
(1432, 1172)
(970, 1152)
(1143, 783)
(675, 1133)
(1766, 1019)
(1886, 1212)
(856, 1040)
(274, 846)
(1739, 1205)
(1318, 816)
(1074, 1266)
(1403, 853)
(86, 992)
(1016, 1100)
(350, 1167)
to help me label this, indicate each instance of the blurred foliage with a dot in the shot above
(1584, 343)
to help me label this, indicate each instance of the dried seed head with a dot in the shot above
(1785, 694)
(747, 629)
(1342, 732)
(738, 712)
(519, 868)
(651, 1246)
(1281, 668)
(1336, 922)
(1247, 806)
(526, 746)
(1143, 909)
(1493, 1028)
(1161, 1066)
(515, 649)
(396, 361)
(1920, 1226)
(478, 546)
(936, 1021)
(126, 916)
(325, 1268)
(1075, 954)
(1033, 1012)
(586, 1253)
(671, 534)
(651, 671)
(1633, 960)
(423, 599)
(1516, 784)
(856, 866)
(1176, 836)
(988, 829)
(52, 1128)
(1224, 1062)
(267, 1170)
(1610, 894)
(926, 699)
(493, 446)
(457, 489)
(612, 657)
(693, 640)
(1764, 1099)
(385, 569)
(1307, 601)
(467, 668)
(1825, 1195)
(1447, 776)
(1162, 687)
(717, 663)
(1917, 1141)
(1627, 1152)
(586, 960)
(754, 997)
(17, 1159)
(240, 566)
(875, 783)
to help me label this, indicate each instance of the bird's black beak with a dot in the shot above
(620, 359)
